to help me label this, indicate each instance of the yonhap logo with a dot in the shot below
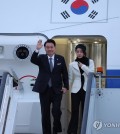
(99, 124)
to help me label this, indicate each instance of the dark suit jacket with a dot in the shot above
(59, 75)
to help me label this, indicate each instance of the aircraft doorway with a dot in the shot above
(96, 50)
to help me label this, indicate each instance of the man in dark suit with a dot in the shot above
(51, 83)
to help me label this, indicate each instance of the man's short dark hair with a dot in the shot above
(50, 41)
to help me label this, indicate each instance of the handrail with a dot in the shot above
(87, 99)
(5, 101)
(106, 76)
(86, 106)
(3, 81)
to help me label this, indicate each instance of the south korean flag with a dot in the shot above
(74, 11)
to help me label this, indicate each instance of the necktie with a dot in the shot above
(51, 64)
(51, 68)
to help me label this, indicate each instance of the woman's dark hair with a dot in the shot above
(82, 47)
(50, 41)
